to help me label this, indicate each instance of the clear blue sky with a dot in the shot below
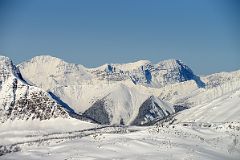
(204, 34)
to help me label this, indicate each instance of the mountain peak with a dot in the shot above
(5, 62)
(6, 68)
(4, 58)
(133, 65)
(123, 66)
(170, 63)
(45, 58)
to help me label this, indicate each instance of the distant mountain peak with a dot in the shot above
(46, 57)
(171, 63)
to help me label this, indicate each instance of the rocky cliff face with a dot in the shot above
(19, 100)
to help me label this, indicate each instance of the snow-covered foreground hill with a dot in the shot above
(181, 141)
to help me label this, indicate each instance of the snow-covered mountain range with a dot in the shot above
(51, 109)
(136, 93)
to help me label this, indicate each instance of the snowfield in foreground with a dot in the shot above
(183, 141)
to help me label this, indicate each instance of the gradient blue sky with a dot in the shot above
(204, 34)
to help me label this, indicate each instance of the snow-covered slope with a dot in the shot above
(189, 94)
(218, 79)
(174, 142)
(19, 100)
(223, 109)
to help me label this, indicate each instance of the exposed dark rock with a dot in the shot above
(98, 113)
(149, 112)
(179, 108)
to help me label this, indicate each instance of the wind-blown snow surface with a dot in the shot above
(181, 141)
